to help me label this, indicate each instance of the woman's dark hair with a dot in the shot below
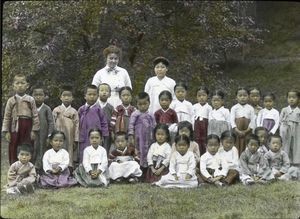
(163, 127)
(228, 134)
(269, 94)
(181, 84)
(95, 130)
(167, 93)
(218, 93)
(204, 88)
(55, 132)
(242, 88)
(185, 138)
(188, 125)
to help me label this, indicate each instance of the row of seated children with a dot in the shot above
(219, 165)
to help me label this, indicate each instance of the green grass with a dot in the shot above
(278, 200)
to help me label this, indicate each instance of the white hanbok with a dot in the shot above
(154, 86)
(181, 165)
(184, 110)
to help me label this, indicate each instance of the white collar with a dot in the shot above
(38, 109)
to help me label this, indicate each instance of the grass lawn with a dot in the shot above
(278, 200)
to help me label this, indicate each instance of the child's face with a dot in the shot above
(57, 142)
(254, 97)
(160, 70)
(112, 60)
(20, 85)
(121, 142)
(293, 99)
(253, 146)
(262, 137)
(160, 136)
(24, 156)
(213, 146)
(217, 102)
(39, 96)
(184, 131)
(164, 102)
(182, 147)
(104, 92)
(66, 98)
(228, 143)
(143, 105)
(126, 97)
(180, 93)
(202, 97)
(91, 96)
(268, 102)
(242, 97)
(95, 138)
(275, 144)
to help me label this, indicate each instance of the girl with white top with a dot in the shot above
(268, 117)
(156, 84)
(219, 117)
(112, 74)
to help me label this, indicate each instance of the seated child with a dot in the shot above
(254, 167)
(278, 160)
(262, 135)
(230, 153)
(123, 165)
(21, 174)
(213, 167)
(55, 164)
(92, 172)
(182, 167)
(158, 156)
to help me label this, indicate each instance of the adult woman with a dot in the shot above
(112, 74)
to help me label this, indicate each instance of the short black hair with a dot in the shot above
(294, 91)
(269, 94)
(252, 137)
(163, 127)
(274, 136)
(228, 134)
(167, 93)
(95, 130)
(204, 88)
(66, 88)
(117, 134)
(181, 84)
(213, 136)
(143, 95)
(218, 93)
(188, 125)
(161, 59)
(90, 86)
(106, 85)
(125, 88)
(185, 138)
(260, 128)
(25, 147)
(242, 88)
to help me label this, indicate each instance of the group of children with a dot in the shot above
(175, 144)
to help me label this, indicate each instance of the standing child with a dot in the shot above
(182, 107)
(279, 161)
(121, 114)
(158, 156)
(254, 166)
(21, 174)
(158, 83)
(219, 117)
(90, 116)
(93, 170)
(242, 118)
(123, 165)
(182, 167)
(104, 94)
(229, 152)
(268, 117)
(201, 112)
(290, 127)
(254, 98)
(55, 164)
(46, 125)
(213, 167)
(66, 120)
(186, 128)
(166, 115)
(21, 120)
(141, 126)
(262, 135)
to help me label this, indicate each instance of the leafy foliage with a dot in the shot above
(56, 42)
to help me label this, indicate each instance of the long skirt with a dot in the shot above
(217, 127)
(169, 181)
(125, 169)
(200, 134)
(150, 177)
(242, 124)
(268, 124)
(86, 180)
(58, 181)
(20, 137)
